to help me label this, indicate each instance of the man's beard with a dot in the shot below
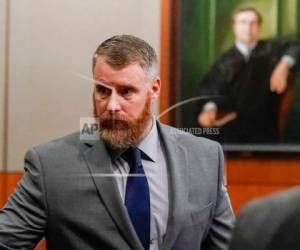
(120, 132)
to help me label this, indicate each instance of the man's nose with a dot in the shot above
(248, 26)
(113, 104)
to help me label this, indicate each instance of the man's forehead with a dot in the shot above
(118, 78)
(101, 65)
(103, 61)
(246, 15)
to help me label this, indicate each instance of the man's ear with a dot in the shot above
(155, 88)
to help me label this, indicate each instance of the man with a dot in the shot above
(247, 82)
(271, 223)
(78, 193)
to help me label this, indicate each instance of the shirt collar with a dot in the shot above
(244, 49)
(148, 145)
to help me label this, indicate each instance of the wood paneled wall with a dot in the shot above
(256, 176)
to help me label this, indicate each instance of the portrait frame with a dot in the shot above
(196, 41)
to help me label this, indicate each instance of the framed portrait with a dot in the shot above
(229, 96)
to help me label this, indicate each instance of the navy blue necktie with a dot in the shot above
(137, 197)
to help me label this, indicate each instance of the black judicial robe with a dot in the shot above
(244, 87)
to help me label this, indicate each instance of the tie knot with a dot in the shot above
(133, 154)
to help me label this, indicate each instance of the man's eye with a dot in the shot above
(126, 92)
(102, 90)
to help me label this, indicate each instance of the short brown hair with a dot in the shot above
(122, 50)
(246, 9)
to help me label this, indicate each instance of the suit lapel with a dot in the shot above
(178, 184)
(99, 164)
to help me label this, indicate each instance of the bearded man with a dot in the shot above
(141, 185)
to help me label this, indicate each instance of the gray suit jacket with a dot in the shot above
(68, 195)
(270, 223)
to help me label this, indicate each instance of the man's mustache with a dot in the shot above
(113, 116)
(114, 122)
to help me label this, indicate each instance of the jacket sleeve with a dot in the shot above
(220, 232)
(292, 49)
(212, 84)
(23, 218)
(216, 85)
(280, 48)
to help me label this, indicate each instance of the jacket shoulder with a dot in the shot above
(70, 141)
(229, 54)
(186, 139)
(260, 219)
(287, 199)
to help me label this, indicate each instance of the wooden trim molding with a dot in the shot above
(8, 183)
(252, 177)
(169, 63)
(165, 49)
